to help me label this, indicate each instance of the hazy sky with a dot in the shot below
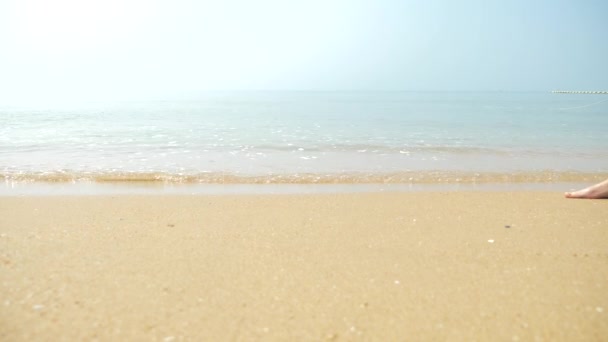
(153, 48)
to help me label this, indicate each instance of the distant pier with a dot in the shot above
(578, 92)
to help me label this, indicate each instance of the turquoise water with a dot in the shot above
(292, 134)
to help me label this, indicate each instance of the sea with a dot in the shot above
(310, 137)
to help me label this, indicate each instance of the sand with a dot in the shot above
(493, 266)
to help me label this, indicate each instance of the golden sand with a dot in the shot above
(403, 266)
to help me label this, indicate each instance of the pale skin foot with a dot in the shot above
(599, 190)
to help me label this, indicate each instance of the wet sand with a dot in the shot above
(396, 266)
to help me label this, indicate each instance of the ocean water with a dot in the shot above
(310, 137)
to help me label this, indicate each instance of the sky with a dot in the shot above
(105, 49)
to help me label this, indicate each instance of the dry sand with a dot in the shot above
(402, 266)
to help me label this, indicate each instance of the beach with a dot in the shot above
(303, 171)
(459, 265)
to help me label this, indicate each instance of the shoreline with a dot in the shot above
(462, 265)
(400, 177)
(84, 188)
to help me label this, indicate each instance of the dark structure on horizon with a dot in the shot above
(578, 92)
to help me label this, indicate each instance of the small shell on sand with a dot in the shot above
(491, 241)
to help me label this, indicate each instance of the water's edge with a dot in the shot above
(496, 182)
(404, 177)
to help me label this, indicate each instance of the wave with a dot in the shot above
(405, 177)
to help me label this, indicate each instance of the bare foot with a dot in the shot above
(599, 190)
